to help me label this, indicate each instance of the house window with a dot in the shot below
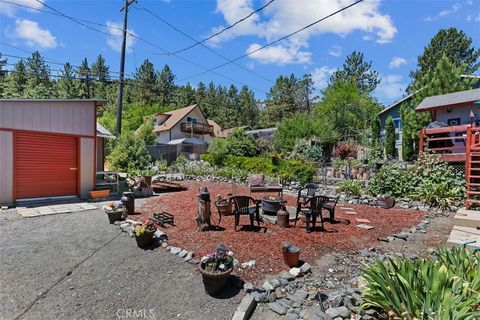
(453, 122)
(397, 123)
(190, 119)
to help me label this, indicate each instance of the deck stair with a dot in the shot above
(472, 167)
(464, 235)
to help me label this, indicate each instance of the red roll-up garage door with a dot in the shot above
(46, 165)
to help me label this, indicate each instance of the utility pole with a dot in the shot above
(122, 66)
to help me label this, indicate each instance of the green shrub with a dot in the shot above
(130, 154)
(217, 151)
(430, 180)
(390, 138)
(391, 180)
(351, 187)
(295, 170)
(307, 150)
(446, 287)
(241, 145)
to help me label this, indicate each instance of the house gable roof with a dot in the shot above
(449, 99)
(397, 103)
(174, 117)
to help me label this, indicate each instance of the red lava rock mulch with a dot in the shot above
(265, 247)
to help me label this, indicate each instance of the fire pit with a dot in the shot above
(270, 205)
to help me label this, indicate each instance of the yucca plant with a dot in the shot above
(444, 287)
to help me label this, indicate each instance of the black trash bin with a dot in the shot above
(128, 200)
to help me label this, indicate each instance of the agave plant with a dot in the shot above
(445, 287)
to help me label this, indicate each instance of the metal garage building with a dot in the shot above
(47, 148)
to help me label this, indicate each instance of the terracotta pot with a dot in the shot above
(291, 259)
(365, 176)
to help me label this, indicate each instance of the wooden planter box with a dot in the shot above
(99, 194)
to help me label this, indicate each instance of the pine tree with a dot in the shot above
(249, 113)
(85, 80)
(375, 128)
(166, 85)
(281, 100)
(3, 74)
(356, 69)
(389, 138)
(185, 96)
(453, 44)
(407, 115)
(16, 81)
(66, 85)
(144, 88)
(38, 84)
(100, 73)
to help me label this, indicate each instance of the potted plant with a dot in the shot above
(224, 206)
(216, 268)
(291, 254)
(115, 211)
(144, 234)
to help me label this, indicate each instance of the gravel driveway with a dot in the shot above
(77, 266)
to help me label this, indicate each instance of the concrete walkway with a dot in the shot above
(36, 211)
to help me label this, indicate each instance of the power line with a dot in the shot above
(273, 42)
(48, 60)
(82, 22)
(206, 47)
(224, 29)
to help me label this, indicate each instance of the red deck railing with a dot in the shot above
(448, 142)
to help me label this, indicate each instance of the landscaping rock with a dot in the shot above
(193, 261)
(337, 302)
(272, 297)
(175, 250)
(306, 268)
(260, 296)
(286, 275)
(296, 272)
(343, 312)
(401, 235)
(275, 283)
(332, 312)
(245, 308)
(248, 286)
(189, 256)
(183, 253)
(159, 234)
(277, 308)
(268, 286)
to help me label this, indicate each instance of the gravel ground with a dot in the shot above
(77, 266)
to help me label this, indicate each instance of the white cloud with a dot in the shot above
(114, 41)
(282, 18)
(474, 17)
(450, 11)
(397, 62)
(33, 34)
(10, 9)
(391, 88)
(335, 51)
(279, 54)
(321, 75)
(445, 12)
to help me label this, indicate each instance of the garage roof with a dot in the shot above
(97, 101)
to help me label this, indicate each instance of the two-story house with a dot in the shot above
(174, 127)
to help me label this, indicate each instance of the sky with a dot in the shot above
(390, 33)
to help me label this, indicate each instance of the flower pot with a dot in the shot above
(99, 194)
(386, 202)
(214, 282)
(145, 239)
(291, 259)
(116, 215)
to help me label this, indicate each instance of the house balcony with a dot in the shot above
(448, 142)
(197, 128)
